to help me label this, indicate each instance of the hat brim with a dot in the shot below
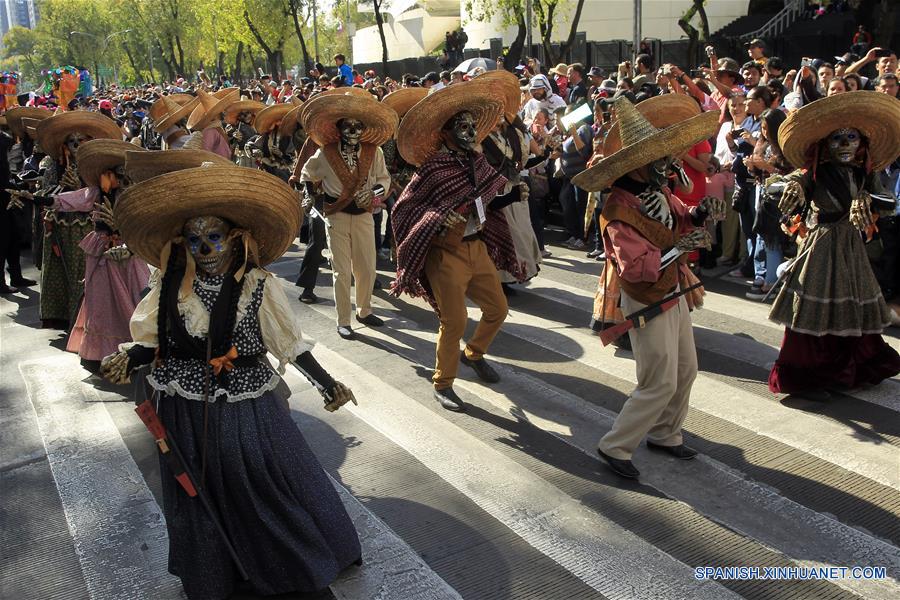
(404, 99)
(322, 113)
(508, 87)
(232, 112)
(875, 115)
(52, 132)
(334, 92)
(267, 118)
(15, 115)
(97, 156)
(738, 78)
(201, 117)
(183, 111)
(662, 112)
(672, 141)
(152, 213)
(291, 121)
(140, 166)
(419, 135)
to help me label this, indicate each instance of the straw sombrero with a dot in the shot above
(291, 120)
(97, 156)
(52, 132)
(875, 115)
(662, 111)
(152, 213)
(226, 92)
(404, 99)
(320, 116)
(167, 111)
(642, 143)
(267, 118)
(181, 97)
(419, 135)
(15, 115)
(30, 127)
(140, 166)
(251, 106)
(507, 87)
(211, 107)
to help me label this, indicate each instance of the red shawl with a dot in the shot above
(440, 185)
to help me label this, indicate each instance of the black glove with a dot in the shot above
(318, 376)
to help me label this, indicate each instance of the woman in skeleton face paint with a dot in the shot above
(831, 305)
(211, 317)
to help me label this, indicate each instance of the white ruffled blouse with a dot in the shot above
(264, 322)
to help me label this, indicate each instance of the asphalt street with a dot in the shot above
(508, 500)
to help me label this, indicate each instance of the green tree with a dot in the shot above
(379, 20)
(698, 9)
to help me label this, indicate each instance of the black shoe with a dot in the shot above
(622, 468)
(345, 332)
(22, 282)
(5, 289)
(484, 371)
(308, 297)
(508, 290)
(449, 400)
(370, 319)
(681, 452)
(377, 285)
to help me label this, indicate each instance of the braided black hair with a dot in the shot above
(163, 313)
(231, 318)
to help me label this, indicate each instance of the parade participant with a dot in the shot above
(238, 119)
(170, 114)
(450, 239)
(205, 121)
(644, 225)
(113, 277)
(211, 316)
(272, 151)
(67, 216)
(507, 149)
(349, 164)
(831, 305)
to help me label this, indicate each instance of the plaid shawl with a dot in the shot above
(440, 185)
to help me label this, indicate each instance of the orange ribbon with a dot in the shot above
(224, 361)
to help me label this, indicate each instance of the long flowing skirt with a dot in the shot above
(63, 266)
(112, 289)
(269, 492)
(830, 362)
(518, 217)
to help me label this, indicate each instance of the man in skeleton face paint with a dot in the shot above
(212, 316)
(647, 233)
(273, 149)
(339, 182)
(831, 304)
(451, 235)
(239, 128)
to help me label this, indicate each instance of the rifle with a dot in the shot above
(169, 449)
(638, 319)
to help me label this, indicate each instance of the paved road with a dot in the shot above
(506, 501)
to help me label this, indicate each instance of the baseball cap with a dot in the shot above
(106, 104)
(847, 59)
(756, 43)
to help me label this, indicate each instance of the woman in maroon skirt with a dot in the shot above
(831, 304)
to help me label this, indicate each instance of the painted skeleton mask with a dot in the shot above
(209, 243)
(843, 145)
(351, 131)
(462, 132)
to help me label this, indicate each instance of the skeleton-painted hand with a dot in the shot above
(698, 238)
(861, 211)
(118, 253)
(452, 220)
(16, 199)
(340, 396)
(70, 178)
(364, 198)
(714, 207)
(114, 368)
(791, 198)
(103, 212)
(524, 192)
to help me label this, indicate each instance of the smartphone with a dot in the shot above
(737, 132)
(882, 52)
(581, 113)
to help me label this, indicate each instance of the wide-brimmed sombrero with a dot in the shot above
(97, 156)
(662, 111)
(152, 213)
(140, 166)
(270, 116)
(181, 97)
(52, 132)
(167, 111)
(251, 106)
(30, 127)
(642, 143)
(319, 117)
(508, 86)
(875, 115)
(291, 120)
(15, 115)
(404, 99)
(211, 107)
(420, 133)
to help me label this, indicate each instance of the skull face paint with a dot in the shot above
(462, 131)
(209, 243)
(843, 144)
(351, 131)
(658, 173)
(74, 140)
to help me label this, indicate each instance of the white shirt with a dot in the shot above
(551, 103)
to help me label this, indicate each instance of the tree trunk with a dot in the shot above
(545, 24)
(137, 72)
(220, 63)
(570, 41)
(379, 20)
(518, 45)
(238, 76)
(294, 7)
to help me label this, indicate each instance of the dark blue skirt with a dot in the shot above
(280, 510)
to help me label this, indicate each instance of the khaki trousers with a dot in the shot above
(454, 274)
(351, 239)
(666, 362)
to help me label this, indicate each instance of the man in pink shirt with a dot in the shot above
(647, 232)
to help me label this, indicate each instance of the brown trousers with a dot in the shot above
(465, 270)
(666, 362)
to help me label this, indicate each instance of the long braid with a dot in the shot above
(235, 297)
(163, 313)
